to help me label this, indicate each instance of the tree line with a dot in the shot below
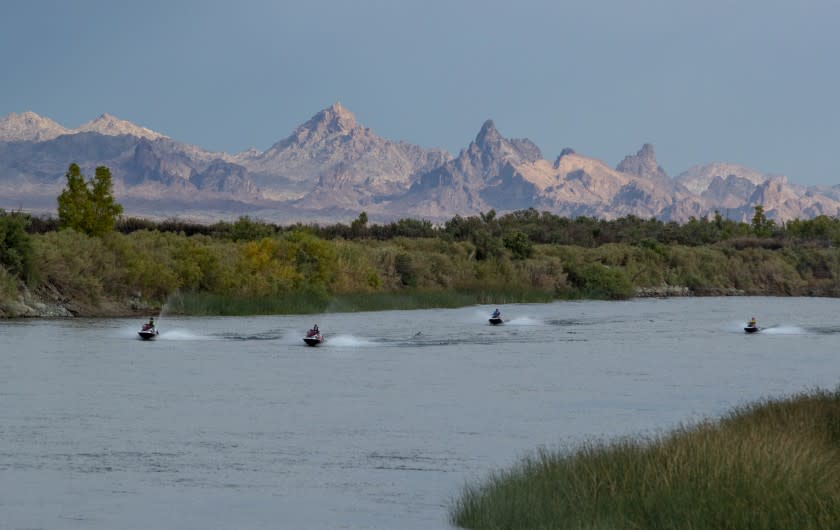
(589, 252)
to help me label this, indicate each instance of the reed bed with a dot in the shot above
(770, 465)
(204, 304)
(209, 304)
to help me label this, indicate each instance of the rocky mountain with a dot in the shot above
(331, 168)
(28, 126)
(501, 174)
(112, 126)
(483, 176)
(697, 179)
(227, 179)
(331, 160)
(644, 164)
(144, 164)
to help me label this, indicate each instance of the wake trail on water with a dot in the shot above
(738, 327)
(524, 321)
(292, 338)
(343, 341)
(349, 341)
(182, 334)
(825, 330)
(784, 330)
(482, 317)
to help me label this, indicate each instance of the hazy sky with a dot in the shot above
(754, 82)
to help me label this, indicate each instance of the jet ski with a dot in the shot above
(495, 319)
(313, 338)
(148, 332)
(751, 329)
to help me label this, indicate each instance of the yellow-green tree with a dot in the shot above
(105, 208)
(74, 204)
(88, 207)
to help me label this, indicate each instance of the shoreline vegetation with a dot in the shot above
(248, 267)
(771, 464)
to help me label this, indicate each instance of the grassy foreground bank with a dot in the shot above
(774, 464)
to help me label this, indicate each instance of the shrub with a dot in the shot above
(519, 244)
(594, 280)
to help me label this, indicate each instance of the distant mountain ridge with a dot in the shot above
(331, 168)
(28, 126)
(112, 126)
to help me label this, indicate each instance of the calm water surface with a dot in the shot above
(233, 423)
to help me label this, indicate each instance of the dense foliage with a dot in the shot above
(525, 255)
(16, 252)
(514, 231)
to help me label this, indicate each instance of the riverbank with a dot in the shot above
(47, 302)
(772, 464)
(70, 273)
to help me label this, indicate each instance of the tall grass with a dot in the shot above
(204, 304)
(201, 303)
(427, 299)
(774, 464)
(8, 285)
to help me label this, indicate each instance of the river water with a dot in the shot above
(233, 423)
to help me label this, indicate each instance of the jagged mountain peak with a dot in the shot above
(29, 126)
(488, 134)
(335, 119)
(495, 147)
(110, 125)
(331, 154)
(565, 152)
(643, 163)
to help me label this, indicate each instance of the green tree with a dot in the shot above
(247, 229)
(74, 205)
(88, 207)
(105, 208)
(762, 227)
(519, 244)
(358, 227)
(16, 253)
